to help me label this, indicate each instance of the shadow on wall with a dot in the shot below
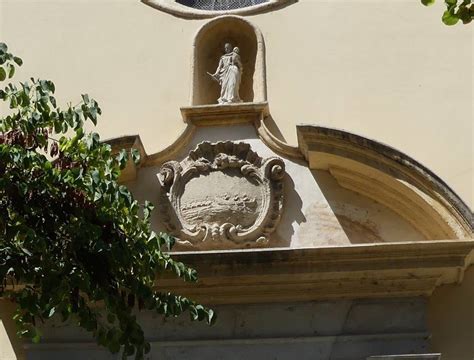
(147, 186)
(363, 220)
(292, 214)
(450, 319)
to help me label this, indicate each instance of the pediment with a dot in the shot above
(370, 210)
(228, 183)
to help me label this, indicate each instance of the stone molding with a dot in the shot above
(403, 184)
(318, 341)
(277, 145)
(236, 114)
(229, 114)
(182, 11)
(241, 206)
(357, 163)
(192, 116)
(358, 271)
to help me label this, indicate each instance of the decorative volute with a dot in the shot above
(222, 195)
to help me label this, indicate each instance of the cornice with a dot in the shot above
(228, 114)
(359, 271)
(252, 114)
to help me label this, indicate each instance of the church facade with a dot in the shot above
(313, 160)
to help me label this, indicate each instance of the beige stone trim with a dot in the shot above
(229, 114)
(389, 177)
(176, 9)
(58, 346)
(359, 164)
(285, 275)
(201, 116)
(280, 147)
(170, 151)
(420, 211)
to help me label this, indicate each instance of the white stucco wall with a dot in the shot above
(387, 70)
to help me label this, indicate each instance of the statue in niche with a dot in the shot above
(228, 75)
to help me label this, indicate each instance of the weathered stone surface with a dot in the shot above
(362, 271)
(240, 206)
(327, 330)
(389, 177)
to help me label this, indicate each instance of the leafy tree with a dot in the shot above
(455, 10)
(73, 241)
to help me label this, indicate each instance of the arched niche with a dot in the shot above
(208, 47)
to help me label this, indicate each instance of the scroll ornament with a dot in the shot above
(222, 195)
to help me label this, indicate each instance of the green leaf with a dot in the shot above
(427, 2)
(97, 196)
(36, 338)
(449, 18)
(147, 209)
(50, 86)
(169, 240)
(3, 74)
(95, 176)
(18, 61)
(211, 316)
(92, 141)
(135, 156)
(126, 194)
(51, 312)
(76, 236)
(122, 158)
(11, 71)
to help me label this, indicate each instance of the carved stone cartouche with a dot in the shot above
(222, 195)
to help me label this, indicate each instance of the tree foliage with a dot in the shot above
(456, 10)
(73, 242)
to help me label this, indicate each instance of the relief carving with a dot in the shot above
(222, 195)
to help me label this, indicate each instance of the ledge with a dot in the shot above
(285, 275)
(228, 114)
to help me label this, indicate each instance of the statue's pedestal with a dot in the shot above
(228, 114)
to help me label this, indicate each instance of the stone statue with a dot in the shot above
(228, 75)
